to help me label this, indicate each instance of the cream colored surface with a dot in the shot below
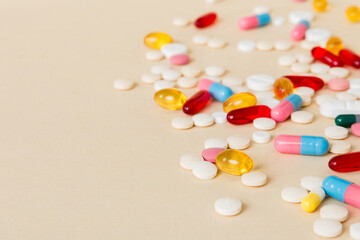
(80, 160)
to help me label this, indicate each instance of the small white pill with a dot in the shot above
(154, 55)
(182, 123)
(293, 194)
(203, 120)
(296, 16)
(215, 71)
(150, 78)
(319, 68)
(216, 43)
(339, 72)
(264, 46)
(187, 82)
(345, 96)
(261, 137)
(260, 9)
(200, 39)
(260, 82)
(283, 45)
(238, 142)
(239, 89)
(264, 94)
(162, 84)
(123, 84)
(308, 45)
(355, 231)
(172, 49)
(327, 228)
(335, 212)
(300, 67)
(311, 182)
(232, 81)
(188, 161)
(159, 68)
(215, 143)
(325, 77)
(228, 206)
(264, 123)
(340, 146)
(253, 179)
(323, 98)
(304, 91)
(220, 117)
(355, 83)
(278, 20)
(302, 117)
(181, 22)
(204, 170)
(246, 46)
(317, 35)
(305, 58)
(171, 75)
(286, 60)
(306, 101)
(355, 92)
(336, 132)
(190, 71)
(270, 102)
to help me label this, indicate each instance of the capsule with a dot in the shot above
(170, 98)
(254, 21)
(304, 145)
(205, 20)
(350, 58)
(286, 107)
(298, 32)
(313, 199)
(156, 40)
(234, 162)
(248, 114)
(342, 190)
(283, 87)
(217, 90)
(334, 45)
(326, 57)
(306, 81)
(346, 120)
(197, 102)
(239, 100)
(349, 162)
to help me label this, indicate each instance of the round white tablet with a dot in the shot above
(200, 39)
(246, 46)
(302, 117)
(283, 45)
(215, 71)
(278, 20)
(304, 91)
(203, 120)
(335, 212)
(336, 132)
(228, 206)
(215, 143)
(345, 96)
(239, 89)
(323, 98)
(308, 45)
(306, 101)
(171, 75)
(204, 170)
(305, 58)
(260, 9)
(123, 84)
(214, 79)
(264, 123)
(264, 94)
(300, 67)
(238, 142)
(183, 122)
(327, 228)
(188, 161)
(319, 68)
(154, 55)
(172, 49)
(253, 179)
(216, 43)
(286, 60)
(181, 22)
(325, 77)
(220, 117)
(296, 16)
(264, 46)
(187, 82)
(317, 35)
(355, 83)
(270, 102)
(190, 71)
(261, 137)
(232, 81)
(159, 68)
(355, 231)
(260, 82)
(162, 84)
(340, 147)
(339, 72)
(150, 78)
(311, 182)
(355, 92)
(293, 194)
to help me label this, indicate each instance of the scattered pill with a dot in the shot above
(304, 91)
(260, 82)
(347, 120)
(215, 71)
(317, 35)
(261, 137)
(216, 43)
(209, 154)
(355, 83)
(239, 100)
(300, 67)
(355, 129)
(170, 99)
(182, 122)
(238, 142)
(190, 71)
(286, 107)
(181, 22)
(286, 60)
(203, 120)
(179, 59)
(350, 58)
(283, 45)
(171, 75)
(220, 117)
(304, 58)
(172, 49)
(150, 78)
(308, 45)
(154, 55)
(234, 162)
(278, 20)
(254, 21)
(352, 13)
(217, 90)
(336, 132)
(264, 46)
(355, 231)
(246, 46)
(228, 206)
(296, 16)
(200, 39)
(340, 147)
(293, 194)
(123, 84)
(162, 84)
(345, 96)
(313, 199)
(327, 228)
(333, 108)
(311, 182)
(298, 32)
(187, 82)
(304, 145)
(204, 170)
(260, 9)
(306, 81)
(264, 123)
(188, 161)
(215, 143)
(334, 45)
(254, 179)
(156, 40)
(248, 114)
(323, 98)
(319, 68)
(346, 162)
(335, 212)
(205, 20)
(338, 84)
(320, 5)
(326, 57)
(302, 117)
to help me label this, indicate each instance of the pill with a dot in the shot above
(308, 45)
(215, 71)
(150, 78)
(154, 55)
(180, 22)
(162, 84)
(204, 170)
(298, 32)
(311, 182)
(203, 120)
(190, 71)
(197, 102)
(278, 20)
(209, 154)
(304, 145)
(268, 101)
(338, 84)
(260, 9)
(264, 123)
(261, 137)
(182, 122)
(239, 100)
(283, 45)
(172, 49)
(320, 5)
(238, 142)
(334, 45)
(246, 46)
(333, 108)
(355, 83)
(339, 147)
(171, 99)
(260, 82)
(335, 212)
(305, 58)
(355, 129)
(336, 132)
(304, 91)
(350, 58)
(171, 75)
(287, 106)
(123, 84)
(188, 161)
(355, 92)
(306, 100)
(317, 35)
(313, 199)
(228, 206)
(255, 21)
(355, 231)
(187, 82)
(352, 13)
(205, 20)
(179, 59)
(286, 60)
(293, 194)
(325, 77)
(216, 143)
(217, 90)
(323, 98)
(220, 117)
(302, 117)
(234, 162)
(216, 43)
(327, 228)
(264, 46)
(326, 57)
(306, 81)
(254, 179)
(156, 40)
(345, 96)
(232, 81)
(348, 162)
(200, 39)
(248, 114)
(319, 68)
(296, 16)
(300, 67)
(159, 68)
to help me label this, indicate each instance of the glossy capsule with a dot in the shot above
(197, 102)
(156, 40)
(205, 20)
(342, 190)
(170, 98)
(248, 114)
(283, 87)
(320, 5)
(239, 100)
(234, 162)
(254, 21)
(306, 81)
(298, 32)
(334, 45)
(326, 57)
(353, 14)
(286, 107)
(313, 199)
(217, 90)
(349, 162)
(346, 120)
(304, 145)
(350, 58)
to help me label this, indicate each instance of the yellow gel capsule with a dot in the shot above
(233, 162)
(239, 100)
(156, 40)
(282, 88)
(320, 5)
(170, 98)
(313, 199)
(353, 14)
(334, 45)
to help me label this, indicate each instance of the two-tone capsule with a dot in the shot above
(348, 162)
(346, 120)
(254, 21)
(313, 199)
(298, 32)
(304, 145)
(197, 102)
(288, 105)
(326, 57)
(217, 90)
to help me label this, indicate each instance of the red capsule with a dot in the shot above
(248, 114)
(306, 81)
(350, 58)
(326, 57)
(205, 20)
(197, 102)
(349, 162)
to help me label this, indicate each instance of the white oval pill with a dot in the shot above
(283, 45)
(260, 9)
(238, 142)
(317, 35)
(203, 120)
(215, 71)
(220, 117)
(355, 83)
(123, 84)
(253, 179)
(181, 22)
(264, 46)
(340, 146)
(335, 212)
(182, 123)
(304, 91)
(355, 92)
(296, 16)
(302, 117)
(246, 46)
(216, 43)
(154, 55)
(355, 231)
(270, 102)
(228, 206)
(327, 228)
(325, 77)
(150, 78)
(200, 39)
(171, 75)
(261, 137)
(336, 132)
(319, 68)
(300, 67)
(278, 20)
(190, 71)
(293, 194)
(339, 72)
(264, 123)
(286, 60)
(239, 89)
(308, 45)
(323, 98)
(204, 170)
(172, 49)
(260, 82)
(162, 84)
(215, 143)
(187, 82)
(311, 182)
(232, 81)
(188, 161)
(305, 58)
(345, 96)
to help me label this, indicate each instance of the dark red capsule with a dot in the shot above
(350, 58)
(197, 102)
(326, 57)
(306, 81)
(349, 162)
(205, 20)
(248, 114)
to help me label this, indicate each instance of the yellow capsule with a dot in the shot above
(239, 100)
(313, 199)
(353, 14)
(156, 40)
(334, 45)
(233, 162)
(170, 98)
(320, 5)
(282, 88)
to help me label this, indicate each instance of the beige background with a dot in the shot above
(80, 160)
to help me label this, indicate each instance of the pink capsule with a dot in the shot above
(298, 32)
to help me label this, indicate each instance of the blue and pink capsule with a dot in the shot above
(254, 21)
(217, 90)
(286, 107)
(298, 32)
